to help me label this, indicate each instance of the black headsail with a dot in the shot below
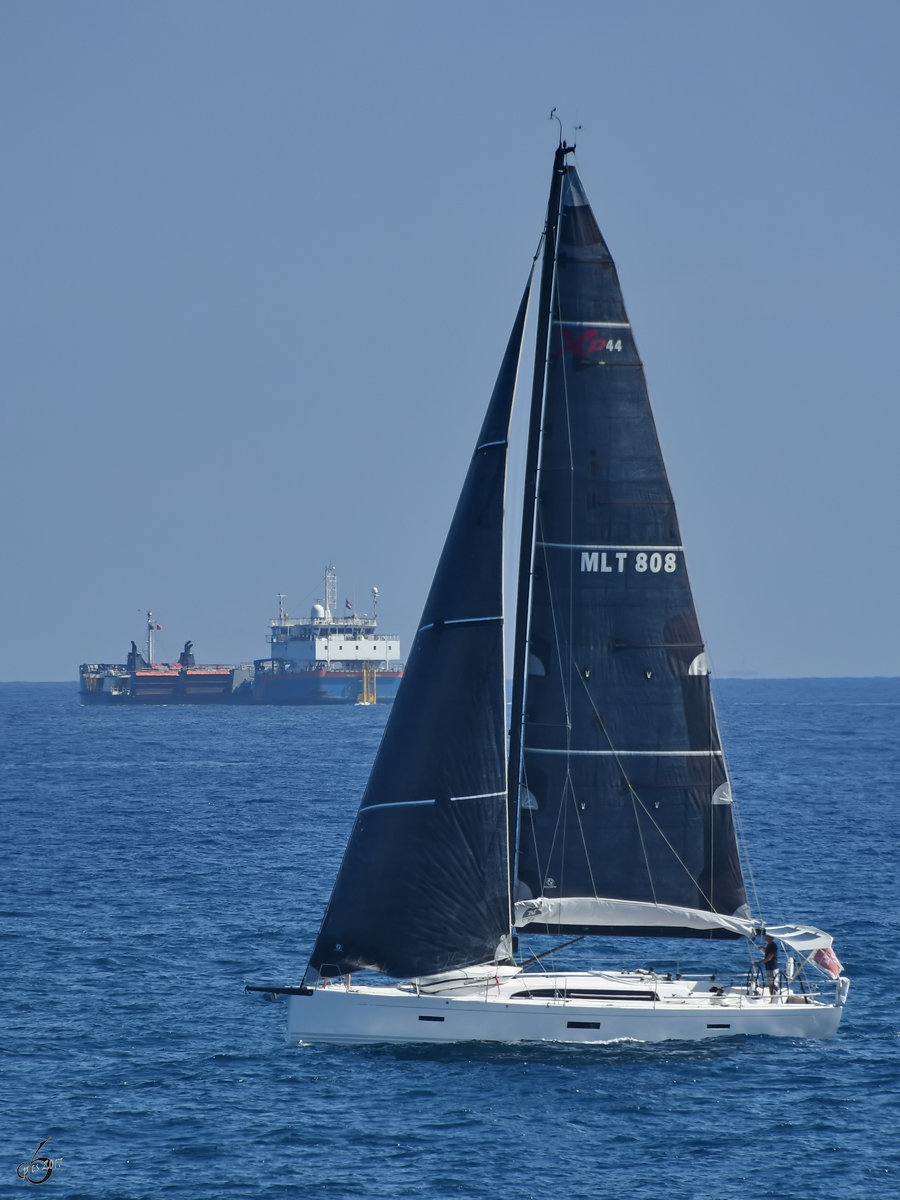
(626, 820)
(424, 885)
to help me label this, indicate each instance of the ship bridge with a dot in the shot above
(335, 643)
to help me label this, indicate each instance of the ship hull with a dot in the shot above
(230, 685)
(321, 687)
(193, 685)
(495, 1013)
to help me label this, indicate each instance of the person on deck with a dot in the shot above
(770, 962)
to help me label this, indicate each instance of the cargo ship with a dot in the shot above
(140, 680)
(319, 659)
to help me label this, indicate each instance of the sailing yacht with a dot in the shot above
(605, 809)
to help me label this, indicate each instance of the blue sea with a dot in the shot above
(157, 859)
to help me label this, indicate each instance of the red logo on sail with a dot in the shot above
(582, 343)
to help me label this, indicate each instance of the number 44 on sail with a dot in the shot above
(605, 809)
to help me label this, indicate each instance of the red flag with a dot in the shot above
(827, 960)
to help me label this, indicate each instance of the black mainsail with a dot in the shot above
(623, 792)
(424, 884)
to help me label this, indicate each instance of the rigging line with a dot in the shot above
(534, 845)
(744, 851)
(540, 247)
(743, 845)
(711, 725)
(540, 867)
(555, 625)
(553, 950)
(567, 410)
(637, 821)
(584, 844)
(564, 820)
(525, 574)
(636, 798)
(543, 867)
(511, 818)
(569, 791)
(556, 832)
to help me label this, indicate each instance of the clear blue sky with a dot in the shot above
(260, 261)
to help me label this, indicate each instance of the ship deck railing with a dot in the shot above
(346, 666)
(123, 669)
(356, 623)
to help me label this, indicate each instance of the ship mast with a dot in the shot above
(149, 639)
(526, 547)
(331, 592)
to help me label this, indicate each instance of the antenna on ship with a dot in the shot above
(374, 603)
(282, 611)
(330, 592)
(149, 639)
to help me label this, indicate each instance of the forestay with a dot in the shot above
(424, 884)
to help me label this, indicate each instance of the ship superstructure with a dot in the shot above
(327, 657)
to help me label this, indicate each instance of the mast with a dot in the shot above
(523, 589)
(331, 607)
(149, 639)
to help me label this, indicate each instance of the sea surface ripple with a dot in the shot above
(157, 859)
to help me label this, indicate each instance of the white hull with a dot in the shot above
(495, 1010)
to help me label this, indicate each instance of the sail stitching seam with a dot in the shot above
(394, 804)
(595, 324)
(632, 753)
(457, 621)
(480, 796)
(584, 546)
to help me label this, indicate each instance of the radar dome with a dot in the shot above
(318, 612)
